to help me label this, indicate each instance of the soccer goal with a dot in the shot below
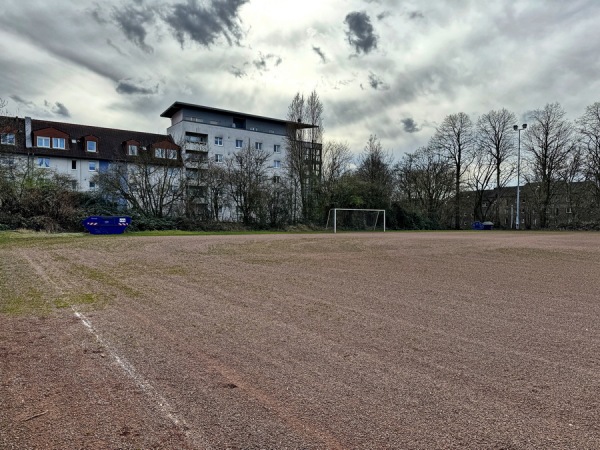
(356, 219)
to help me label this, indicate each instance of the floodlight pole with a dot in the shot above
(516, 128)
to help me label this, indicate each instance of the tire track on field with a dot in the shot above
(298, 425)
(61, 286)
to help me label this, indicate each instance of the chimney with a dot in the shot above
(28, 132)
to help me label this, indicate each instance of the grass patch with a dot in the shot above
(31, 302)
(104, 278)
(177, 270)
(203, 233)
(80, 299)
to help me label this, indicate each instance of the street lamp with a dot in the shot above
(516, 128)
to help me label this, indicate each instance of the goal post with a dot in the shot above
(335, 216)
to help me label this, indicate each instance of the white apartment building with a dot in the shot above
(218, 133)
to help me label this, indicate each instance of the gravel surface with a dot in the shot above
(483, 340)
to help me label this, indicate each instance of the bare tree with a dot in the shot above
(589, 128)
(215, 180)
(549, 142)
(479, 180)
(337, 158)
(246, 179)
(570, 176)
(454, 139)
(375, 172)
(495, 136)
(304, 150)
(277, 202)
(425, 181)
(152, 185)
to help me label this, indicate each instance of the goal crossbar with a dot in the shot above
(335, 210)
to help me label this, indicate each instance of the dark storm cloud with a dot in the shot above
(60, 110)
(133, 21)
(117, 48)
(238, 72)
(319, 52)
(361, 33)
(205, 24)
(410, 126)
(383, 15)
(263, 61)
(416, 15)
(128, 87)
(97, 14)
(377, 83)
(21, 100)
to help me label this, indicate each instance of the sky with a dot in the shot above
(391, 68)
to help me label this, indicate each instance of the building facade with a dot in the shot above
(198, 135)
(79, 151)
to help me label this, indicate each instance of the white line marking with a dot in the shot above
(144, 385)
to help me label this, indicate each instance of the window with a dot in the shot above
(569, 210)
(277, 148)
(43, 142)
(239, 143)
(160, 153)
(277, 164)
(132, 150)
(58, 143)
(172, 154)
(44, 162)
(91, 146)
(218, 157)
(74, 164)
(219, 141)
(195, 138)
(258, 145)
(92, 185)
(8, 138)
(276, 179)
(92, 166)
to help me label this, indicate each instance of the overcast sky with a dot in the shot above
(387, 67)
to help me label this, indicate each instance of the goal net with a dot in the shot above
(356, 219)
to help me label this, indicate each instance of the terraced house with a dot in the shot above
(79, 151)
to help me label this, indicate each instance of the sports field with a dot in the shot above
(483, 340)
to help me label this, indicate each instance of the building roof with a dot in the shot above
(111, 141)
(110, 137)
(177, 106)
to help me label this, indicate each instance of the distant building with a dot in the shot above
(79, 151)
(205, 133)
(196, 134)
(571, 204)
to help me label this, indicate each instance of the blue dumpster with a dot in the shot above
(106, 225)
(488, 225)
(477, 225)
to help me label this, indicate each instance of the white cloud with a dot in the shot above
(118, 63)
